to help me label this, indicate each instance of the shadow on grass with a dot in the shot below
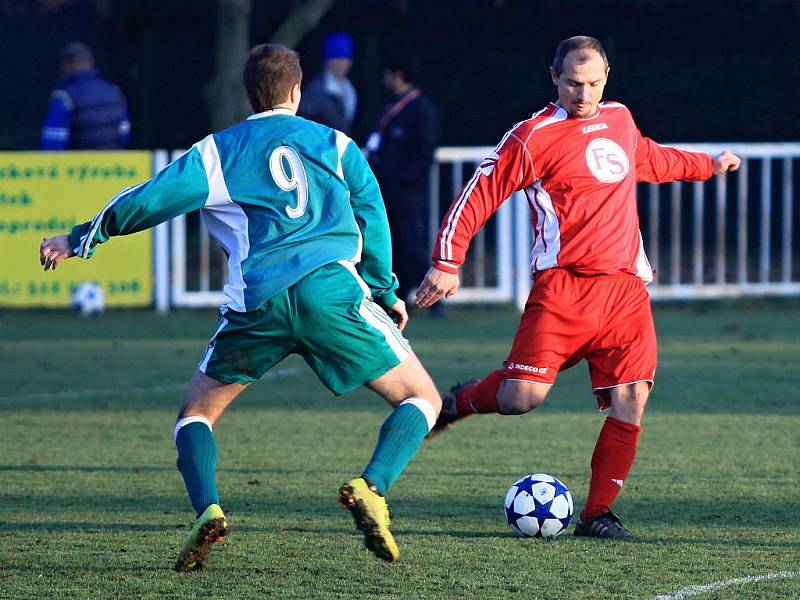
(708, 401)
(28, 468)
(428, 514)
(84, 469)
(83, 527)
(401, 532)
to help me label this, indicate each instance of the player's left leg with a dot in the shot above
(622, 363)
(612, 459)
(205, 402)
(244, 346)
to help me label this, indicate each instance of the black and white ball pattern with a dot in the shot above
(538, 505)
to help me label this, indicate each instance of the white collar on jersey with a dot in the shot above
(563, 110)
(271, 113)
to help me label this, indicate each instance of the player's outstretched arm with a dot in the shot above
(436, 285)
(726, 161)
(180, 187)
(55, 250)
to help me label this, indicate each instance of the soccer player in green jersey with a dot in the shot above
(300, 216)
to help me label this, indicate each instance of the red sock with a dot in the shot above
(481, 398)
(612, 460)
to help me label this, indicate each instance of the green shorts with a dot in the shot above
(326, 317)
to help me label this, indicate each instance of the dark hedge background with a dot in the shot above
(702, 70)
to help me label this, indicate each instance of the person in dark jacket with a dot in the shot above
(401, 152)
(85, 111)
(330, 98)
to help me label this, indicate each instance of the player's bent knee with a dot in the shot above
(409, 379)
(208, 398)
(633, 395)
(519, 397)
(629, 401)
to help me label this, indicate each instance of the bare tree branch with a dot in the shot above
(304, 17)
(227, 101)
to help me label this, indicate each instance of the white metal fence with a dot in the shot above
(732, 236)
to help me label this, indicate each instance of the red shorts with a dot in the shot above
(605, 319)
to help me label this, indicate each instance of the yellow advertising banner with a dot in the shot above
(43, 194)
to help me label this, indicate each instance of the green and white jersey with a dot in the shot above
(281, 194)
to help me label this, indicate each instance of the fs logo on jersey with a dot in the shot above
(607, 160)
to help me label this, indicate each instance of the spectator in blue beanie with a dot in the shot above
(85, 111)
(330, 98)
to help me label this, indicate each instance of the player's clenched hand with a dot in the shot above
(436, 285)
(54, 251)
(726, 161)
(399, 314)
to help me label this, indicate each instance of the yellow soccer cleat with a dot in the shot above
(371, 514)
(211, 527)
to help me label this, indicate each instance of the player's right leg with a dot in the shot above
(412, 393)
(502, 392)
(349, 341)
(551, 331)
(205, 402)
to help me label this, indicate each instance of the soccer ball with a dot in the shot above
(538, 506)
(88, 299)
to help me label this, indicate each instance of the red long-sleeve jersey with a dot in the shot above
(579, 176)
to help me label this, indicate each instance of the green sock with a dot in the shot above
(400, 437)
(197, 461)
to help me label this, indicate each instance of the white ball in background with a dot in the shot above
(88, 299)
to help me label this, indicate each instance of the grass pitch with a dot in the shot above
(91, 505)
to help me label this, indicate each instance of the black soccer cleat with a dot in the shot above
(606, 526)
(449, 413)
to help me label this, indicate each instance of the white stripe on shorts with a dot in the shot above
(210, 350)
(375, 316)
(351, 266)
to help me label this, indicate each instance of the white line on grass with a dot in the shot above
(696, 590)
(151, 389)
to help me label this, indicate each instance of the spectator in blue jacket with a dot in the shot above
(85, 111)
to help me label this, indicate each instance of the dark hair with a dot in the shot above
(578, 42)
(270, 72)
(404, 63)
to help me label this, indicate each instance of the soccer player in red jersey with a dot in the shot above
(577, 161)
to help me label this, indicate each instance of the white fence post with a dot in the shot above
(161, 249)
